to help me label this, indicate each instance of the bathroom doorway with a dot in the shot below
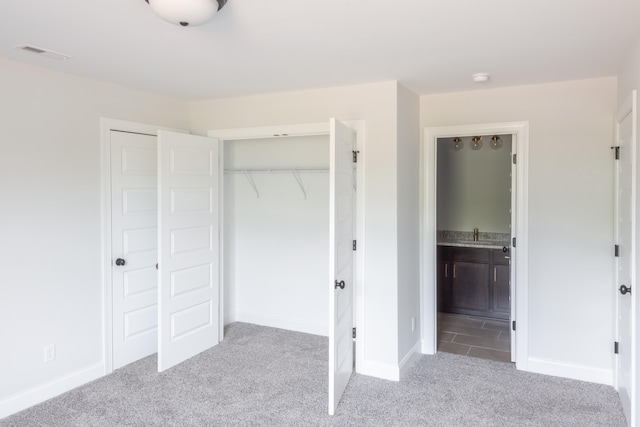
(473, 234)
(517, 251)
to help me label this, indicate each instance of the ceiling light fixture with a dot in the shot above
(496, 142)
(186, 12)
(480, 77)
(476, 143)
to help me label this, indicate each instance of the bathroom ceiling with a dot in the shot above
(260, 46)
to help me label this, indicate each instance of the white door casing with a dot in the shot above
(341, 281)
(519, 258)
(134, 243)
(188, 246)
(514, 249)
(625, 237)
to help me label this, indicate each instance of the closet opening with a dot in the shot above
(276, 232)
(474, 217)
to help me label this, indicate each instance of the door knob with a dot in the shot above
(340, 284)
(120, 261)
(624, 290)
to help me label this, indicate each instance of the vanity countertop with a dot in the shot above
(465, 239)
(472, 244)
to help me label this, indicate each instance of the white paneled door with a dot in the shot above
(188, 246)
(625, 237)
(341, 169)
(133, 246)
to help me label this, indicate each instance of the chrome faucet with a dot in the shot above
(475, 234)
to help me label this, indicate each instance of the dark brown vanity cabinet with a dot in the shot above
(501, 276)
(473, 281)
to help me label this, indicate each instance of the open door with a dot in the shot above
(625, 234)
(340, 260)
(188, 246)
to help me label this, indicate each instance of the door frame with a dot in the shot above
(519, 259)
(307, 129)
(106, 126)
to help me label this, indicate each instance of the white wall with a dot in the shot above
(51, 223)
(571, 295)
(276, 245)
(376, 104)
(408, 119)
(474, 186)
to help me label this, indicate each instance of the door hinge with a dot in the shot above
(354, 332)
(617, 152)
(513, 325)
(513, 242)
(617, 250)
(355, 156)
(514, 159)
(354, 245)
(616, 347)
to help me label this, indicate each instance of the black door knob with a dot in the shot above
(624, 290)
(505, 249)
(340, 284)
(120, 261)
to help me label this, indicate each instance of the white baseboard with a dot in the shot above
(427, 348)
(410, 358)
(39, 394)
(572, 371)
(278, 322)
(383, 371)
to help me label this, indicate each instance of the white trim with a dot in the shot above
(271, 131)
(280, 322)
(360, 289)
(428, 231)
(53, 388)
(359, 127)
(627, 107)
(106, 126)
(570, 370)
(410, 359)
(380, 370)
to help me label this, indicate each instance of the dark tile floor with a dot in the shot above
(474, 336)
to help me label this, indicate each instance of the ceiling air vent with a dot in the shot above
(42, 52)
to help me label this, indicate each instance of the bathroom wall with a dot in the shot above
(474, 186)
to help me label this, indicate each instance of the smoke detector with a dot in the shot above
(480, 77)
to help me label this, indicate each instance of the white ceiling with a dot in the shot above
(261, 46)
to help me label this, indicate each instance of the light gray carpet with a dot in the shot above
(262, 376)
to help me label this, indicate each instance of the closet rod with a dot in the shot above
(290, 170)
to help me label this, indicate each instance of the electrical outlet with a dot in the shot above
(413, 324)
(49, 353)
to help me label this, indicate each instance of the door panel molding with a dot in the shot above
(107, 125)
